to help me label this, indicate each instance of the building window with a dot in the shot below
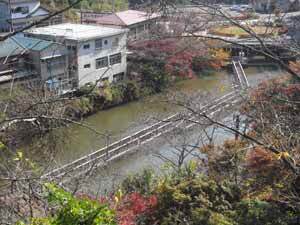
(118, 77)
(86, 46)
(115, 42)
(87, 66)
(115, 59)
(21, 9)
(140, 29)
(102, 62)
(105, 42)
(98, 44)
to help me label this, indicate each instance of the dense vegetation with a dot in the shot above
(98, 5)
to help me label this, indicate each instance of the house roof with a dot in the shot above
(34, 9)
(17, 44)
(125, 18)
(79, 32)
(130, 17)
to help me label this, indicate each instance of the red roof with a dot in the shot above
(125, 18)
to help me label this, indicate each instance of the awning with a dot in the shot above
(51, 57)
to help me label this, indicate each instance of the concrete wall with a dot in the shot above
(89, 56)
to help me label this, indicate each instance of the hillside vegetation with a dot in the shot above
(96, 5)
(93, 5)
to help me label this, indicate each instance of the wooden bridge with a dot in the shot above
(132, 142)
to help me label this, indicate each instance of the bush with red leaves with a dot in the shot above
(133, 206)
(178, 55)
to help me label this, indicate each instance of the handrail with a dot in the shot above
(127, 140)
(237, 73)
(243, 73)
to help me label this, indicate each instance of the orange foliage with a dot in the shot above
(295, 66)
(261, 161)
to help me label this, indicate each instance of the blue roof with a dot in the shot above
(17, 44)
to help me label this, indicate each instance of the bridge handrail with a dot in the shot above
(111, 145)
(243, 73)
(107, 149)
(237, 72)
(113, 150)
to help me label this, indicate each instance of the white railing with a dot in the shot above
(240, 74)
(126, 144)
(243, 74)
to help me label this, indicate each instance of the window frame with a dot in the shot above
(106, 64)
(100, 40)
(87, 66)
(86, 46)
(118, 77)
(112, 58)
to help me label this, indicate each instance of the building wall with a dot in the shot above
(89, 56)
(4, 16)
(81, 61)
(21, 19)
(141, 30)
(269, 5)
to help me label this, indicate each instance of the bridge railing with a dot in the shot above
(110, 147)
(123, 145)
(240, 74)
(243, 74)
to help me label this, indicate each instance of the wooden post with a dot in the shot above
(236, 119)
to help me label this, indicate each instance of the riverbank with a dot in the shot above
(91, 99)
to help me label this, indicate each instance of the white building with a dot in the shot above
(138, 22)
(94, 53)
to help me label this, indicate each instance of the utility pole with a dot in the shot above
(113, 6)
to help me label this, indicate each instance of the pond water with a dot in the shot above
(125, 119)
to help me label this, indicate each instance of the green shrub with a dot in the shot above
(74, 211)
(260, 212)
